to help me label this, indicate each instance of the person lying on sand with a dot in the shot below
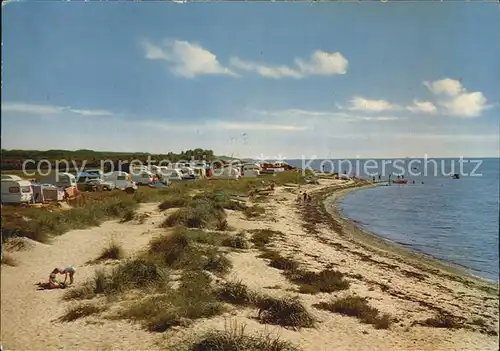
(53, 283)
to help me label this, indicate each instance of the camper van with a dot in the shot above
(250, 170)
(16, 190)
(169, 174)
(143, 177)
(60, 179)
(227, 173)
(122, 180)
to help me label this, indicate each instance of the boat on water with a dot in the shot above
(400, 181)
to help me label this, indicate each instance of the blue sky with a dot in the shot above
(280, 79)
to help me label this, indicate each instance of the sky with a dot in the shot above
(260, 80)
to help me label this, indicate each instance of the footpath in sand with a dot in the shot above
(407, 289)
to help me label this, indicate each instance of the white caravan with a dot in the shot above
(169, 174)
(60, 179)
(251, 170)
(143, 177)
(226, 173)
(16, 190)
(122, 180)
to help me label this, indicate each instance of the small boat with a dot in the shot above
(400, 181)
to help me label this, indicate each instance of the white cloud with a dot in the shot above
(323, 63)
(422, 107)
(310, 117)
(35, 109)
(361, 104)
(454, 99)
(258, 126)
(379, 118)
(446, 86)
(465, 105)
(319, 63)
(292, 112)
(186, 59)
(275, 72)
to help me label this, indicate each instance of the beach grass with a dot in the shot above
(184, 249)
(238, 241)
(254, 211)
(285, 311)
(40, 225)
(326, 281)
(356, 306)
(234, 338)
(200, 213)
(193, 299)
(261, 238)
(81, 311)
(442, 320)
(113, 251)
(236, 293)
(278, 261)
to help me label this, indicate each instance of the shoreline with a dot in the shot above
(371, 240)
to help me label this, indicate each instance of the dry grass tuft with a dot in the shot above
(286, 312)
(263, 237)
(113, 252)
(235, 339)
(328, 280)
(358, 307)
(278, 261)
(442, 320)
(193, 300)
(81, 311)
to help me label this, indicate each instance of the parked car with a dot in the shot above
(101, 184)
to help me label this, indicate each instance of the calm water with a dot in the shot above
(456, 221)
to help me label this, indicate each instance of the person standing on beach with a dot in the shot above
(305, 196)
(70, 270)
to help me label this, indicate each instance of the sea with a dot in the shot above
(453, 220)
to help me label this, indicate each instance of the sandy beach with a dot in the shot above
(408, 287)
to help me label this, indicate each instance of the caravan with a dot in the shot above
(60, 179)
(227, 173)
(168, 174)
(16, 190)
(122, 180)
(143, 177)
(251, 170)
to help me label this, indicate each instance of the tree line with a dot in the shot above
(14, 159)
